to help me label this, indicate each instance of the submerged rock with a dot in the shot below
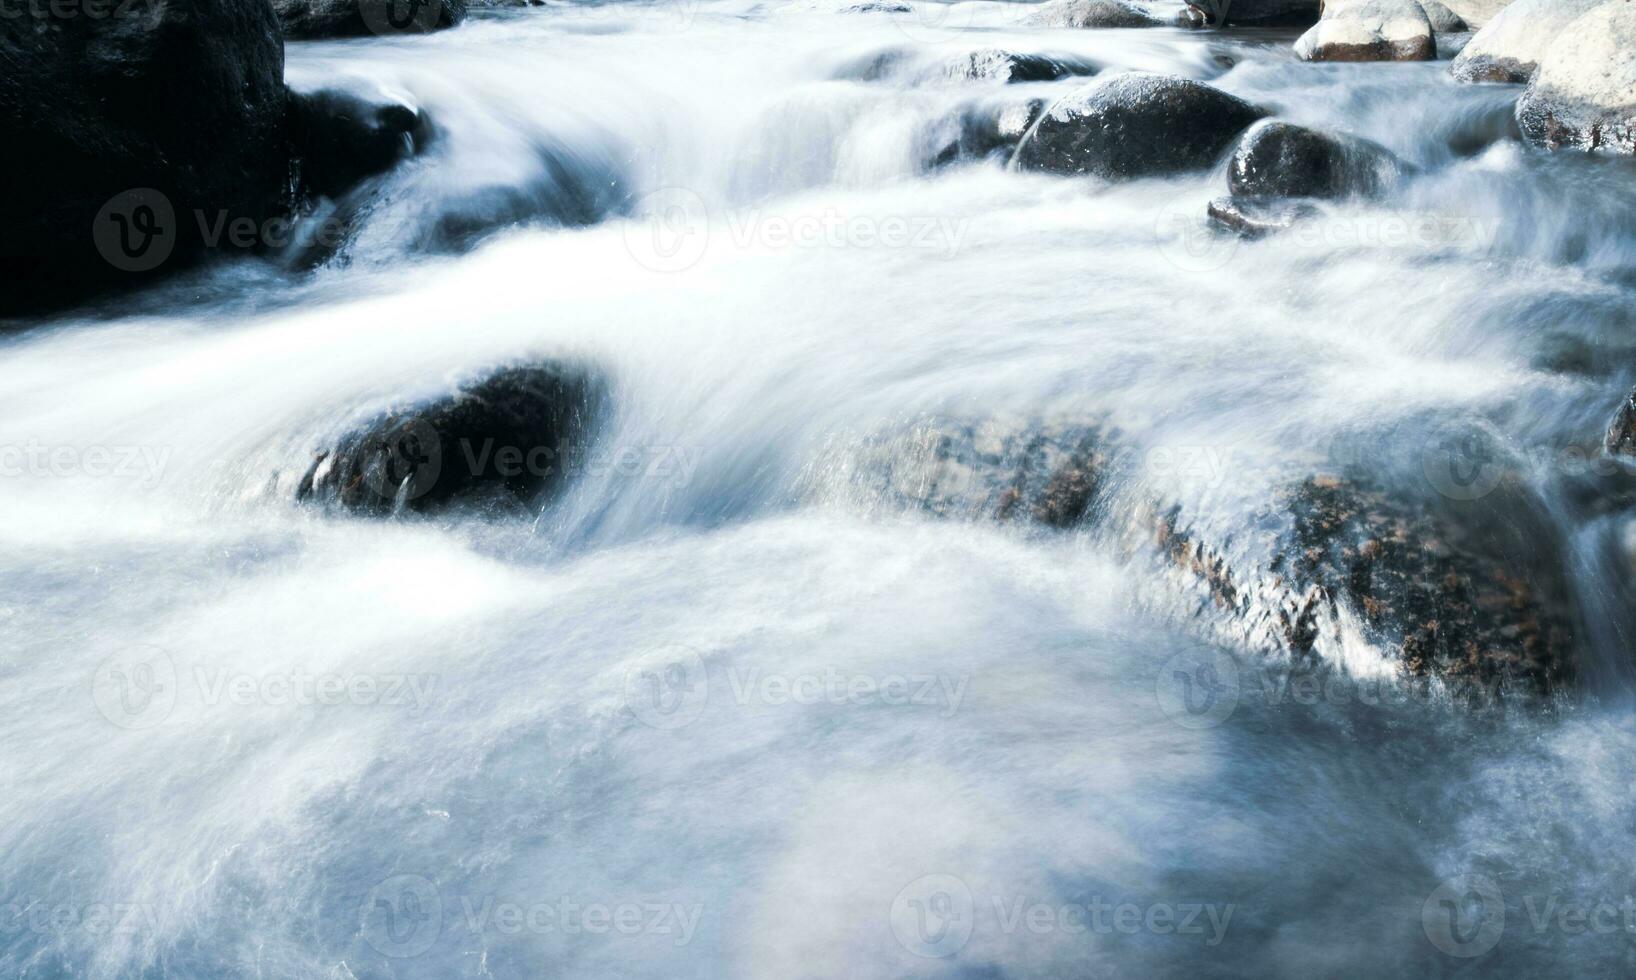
(1281, 160)
(340, 138)
(1046, 471)
(1509, 49)
(1454, 589)
(1583, 95)
(303, 19)
(121, 131)
(983, 130)
(1136, 125)
(1092, 13)
(1369, 30)
(1256, 219)
(502, 441)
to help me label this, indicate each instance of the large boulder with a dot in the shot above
(1584, 94)
(501, 442)
(124, 131)
(358, 18)
(1369, 30)
(1136, 125)
(1276, 159)
(1092, 13)
(1510, 47)
(1451, 588)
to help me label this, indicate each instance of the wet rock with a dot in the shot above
(1510, 47)
(1136, 125)
(1621, 435)
(993, 64)
(1583, 95)
(1458, 595)
(1256, 219)
(1092, 13)
(307, 19)
(1280, 160)
(500, 442)
(1369, 30)
(878, 7)
(983, 130)
(340, 138)
(1443, 20)
(120, 130)
(1271, 13)
(1045, 471)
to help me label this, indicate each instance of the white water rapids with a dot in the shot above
(906, 747)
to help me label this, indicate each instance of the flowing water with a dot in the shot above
(882, 744)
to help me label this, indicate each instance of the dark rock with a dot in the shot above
(1280, 160)
(1270, 13)
(340, 139)
(1092, 13)
(1255, 219)
(122, 130)
(1136, 125)
(503, 441)
(1006, 66)
(1583, 96)
(1369, 30)
(307, 19)
(983, 130)
(1621, 435)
